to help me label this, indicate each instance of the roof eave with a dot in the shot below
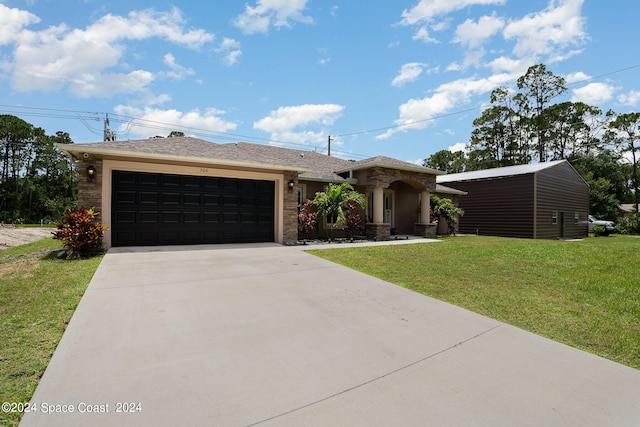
(328, 179)
(419, 169)
(76, 152)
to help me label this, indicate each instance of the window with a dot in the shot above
(302, 190)
(554, 217)
(576, 218)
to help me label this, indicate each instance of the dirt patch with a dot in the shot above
(11, 236)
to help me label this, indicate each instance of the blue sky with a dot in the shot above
(402, 78)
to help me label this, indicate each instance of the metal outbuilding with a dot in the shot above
(541, 201)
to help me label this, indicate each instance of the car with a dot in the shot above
(609, 226)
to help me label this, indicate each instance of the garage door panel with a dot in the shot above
(148, 179)
(125, 217)
(211, 217)
(191, 181)
(162, 209)
(123, 197)
(170, 217)
(149, 217)
(170, 180)
(170, 199)
(210, 199)
(230, 200)
(191, 199)
(192, 217)
(149, 198)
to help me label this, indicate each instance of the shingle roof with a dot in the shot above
(497, 172)
(311, 165)
(448, 190)
(320, 166)
(179, 146)
(389, 162)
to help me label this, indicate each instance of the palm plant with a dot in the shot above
(332, 204)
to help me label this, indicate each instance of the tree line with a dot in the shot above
(522, 125)
(37, 181)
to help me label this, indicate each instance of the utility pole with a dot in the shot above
(109, 135)
(329, 145)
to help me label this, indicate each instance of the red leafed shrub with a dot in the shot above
(353, 223)
(307, 217)
(80, 233)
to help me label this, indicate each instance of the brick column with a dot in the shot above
(90, 190)
(290, 209)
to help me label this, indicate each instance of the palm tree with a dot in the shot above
(332, 204)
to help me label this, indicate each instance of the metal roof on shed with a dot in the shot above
(497, 172)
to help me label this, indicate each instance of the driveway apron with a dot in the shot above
(242, 335)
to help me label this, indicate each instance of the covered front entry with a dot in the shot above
(150, 209)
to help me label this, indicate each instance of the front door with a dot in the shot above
(388, 207)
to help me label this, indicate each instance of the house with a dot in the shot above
(540, 201)
(626, 209)
(184, 190)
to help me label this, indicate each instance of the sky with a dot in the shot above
(401, 78)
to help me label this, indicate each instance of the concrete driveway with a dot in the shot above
(272, 336)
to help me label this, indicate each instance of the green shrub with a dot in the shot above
(599, 230)
(630, 224)
(80, 233)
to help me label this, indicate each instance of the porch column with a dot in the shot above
(425, 207)
(378, 205)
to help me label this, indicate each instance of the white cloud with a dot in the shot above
(230, 48)
(150, 121)
(593, 93)
(283, 123)
(267, 13)
(427, 10)
(420, 113)
(408, 73)
(631, 99)
(557, 27)
(473, 34)
(510, 65)
(460, 146)
(423, 34)
(86, 60)
(12, 22)
(178, 72)
(86, 85)
(576, 77)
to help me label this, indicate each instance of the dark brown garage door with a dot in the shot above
(161, 209)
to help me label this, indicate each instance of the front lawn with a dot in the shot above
(38, 295)
(584, 293)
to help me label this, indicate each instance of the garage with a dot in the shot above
(150, 209)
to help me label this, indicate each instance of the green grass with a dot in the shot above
(585, 294)
(38, 295)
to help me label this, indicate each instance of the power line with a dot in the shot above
(85, 117)
(473, 108)
(411, 123)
